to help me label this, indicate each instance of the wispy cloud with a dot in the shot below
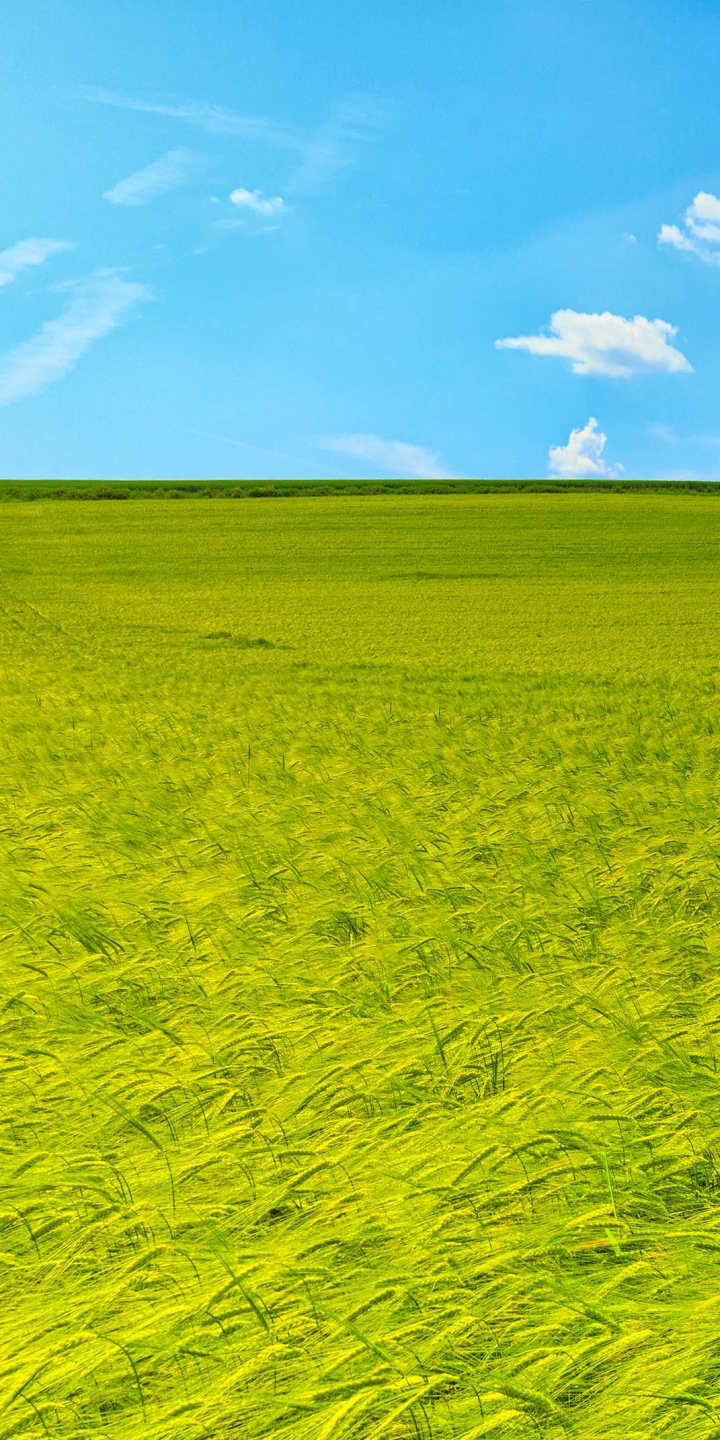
(168, 173)
(26, 253)
(214, 119)
(582, 457)
(253, 200)
(393, 455)
(98, 306)
(319, 153)
(606, 344)
(669, 436)
(701, 233)
(661, 431)
(263, 450)
(332, 146)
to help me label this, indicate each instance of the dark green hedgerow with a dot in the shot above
(24, 490)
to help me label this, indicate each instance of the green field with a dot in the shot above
(360, 981)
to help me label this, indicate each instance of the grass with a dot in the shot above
(360, 969)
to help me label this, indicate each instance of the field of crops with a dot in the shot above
(360, 968)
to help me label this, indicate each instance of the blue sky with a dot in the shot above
(244, 239)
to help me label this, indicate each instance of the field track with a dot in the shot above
(360, 968)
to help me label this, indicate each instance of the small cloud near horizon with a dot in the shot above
(663, 432)
(396, 456)
(606, 344)
(582, 457)
(98, 305)
(27, 253)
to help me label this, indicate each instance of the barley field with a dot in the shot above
(360, 968)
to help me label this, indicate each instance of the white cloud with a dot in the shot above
(673, 235)
(253, 200)
(98, 306)
(393, 455)
(703, 217)
(163, 175)
(582, 457)
(26, 253)
(606, 344)
(701, 232)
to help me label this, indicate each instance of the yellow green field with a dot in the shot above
(360, 968)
